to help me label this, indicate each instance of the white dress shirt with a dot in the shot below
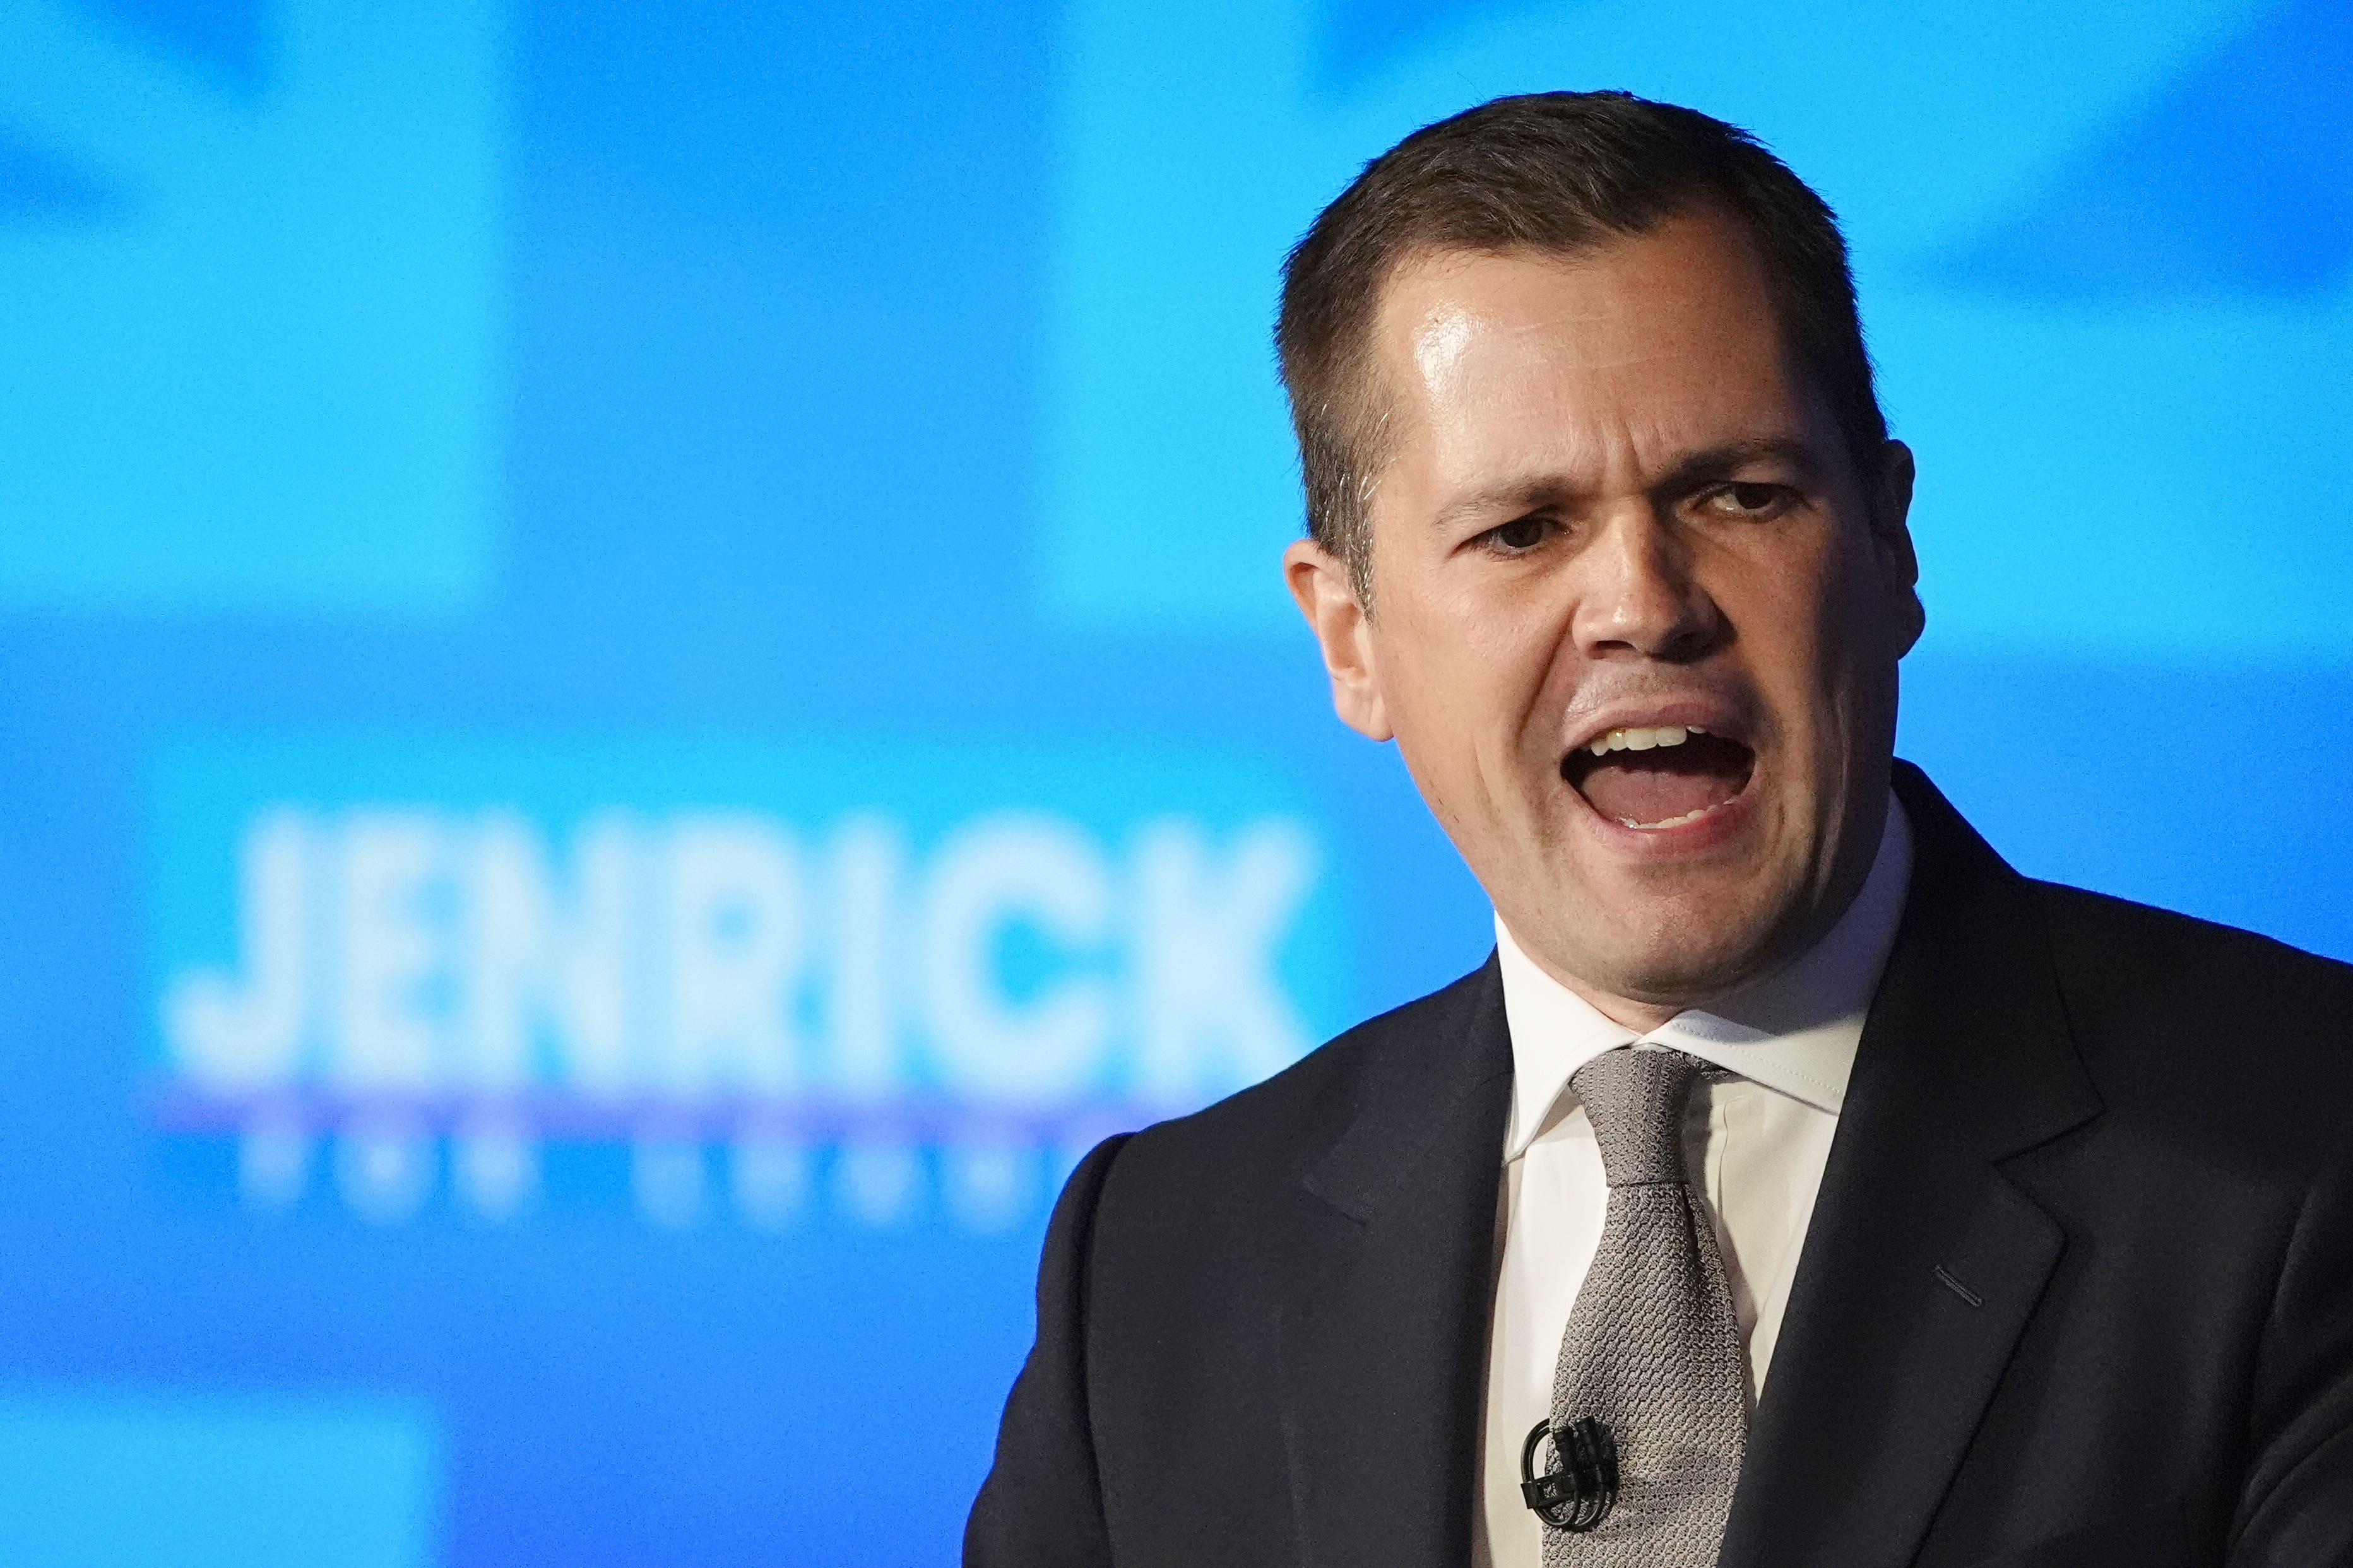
(1756, 1143)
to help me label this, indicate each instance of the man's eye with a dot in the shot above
(1750, 499)
(1520, 533)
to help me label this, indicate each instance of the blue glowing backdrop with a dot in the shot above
(642, 678)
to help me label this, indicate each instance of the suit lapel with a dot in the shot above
(1385, 1341)
(1922, 1261)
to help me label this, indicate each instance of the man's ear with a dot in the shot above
(1891, 528)
(1319, 580)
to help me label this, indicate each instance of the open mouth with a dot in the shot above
(1668, 776)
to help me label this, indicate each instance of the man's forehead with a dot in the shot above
(1666, 342)
(1691, 282)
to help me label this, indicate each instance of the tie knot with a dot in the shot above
(1635, 1099)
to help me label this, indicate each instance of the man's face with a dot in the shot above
(1635, 623)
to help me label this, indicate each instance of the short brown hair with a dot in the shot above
(1559, 172)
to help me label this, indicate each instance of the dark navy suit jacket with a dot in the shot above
(2078, 1289)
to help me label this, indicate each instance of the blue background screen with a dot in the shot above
(643, 681)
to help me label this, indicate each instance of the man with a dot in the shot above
(1797, 1184)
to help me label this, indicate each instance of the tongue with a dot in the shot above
(1649, 786)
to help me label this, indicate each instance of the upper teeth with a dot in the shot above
(1636, 739)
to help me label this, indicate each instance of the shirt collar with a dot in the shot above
(1795, 1032)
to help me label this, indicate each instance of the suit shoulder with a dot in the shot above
(2185, 961)
(2229, 1026)
(1273, 1128)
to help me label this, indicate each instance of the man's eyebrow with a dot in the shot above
(1528, 492)
(1513, 496)
(1721, 462)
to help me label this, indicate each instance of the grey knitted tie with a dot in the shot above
(1652, 1350)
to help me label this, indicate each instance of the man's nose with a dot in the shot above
(1637, 593)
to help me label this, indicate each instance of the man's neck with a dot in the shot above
(1639, 1017)
(1644, 1018)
